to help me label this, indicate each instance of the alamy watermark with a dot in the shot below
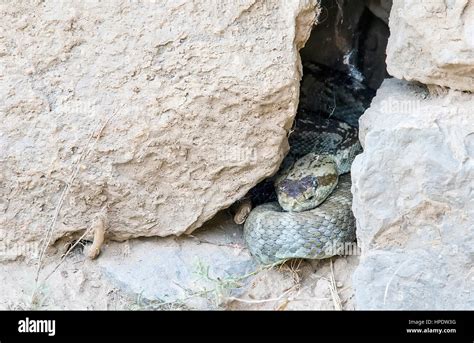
(342, 249)
(11, 248)
(28, 325)
(395, 106)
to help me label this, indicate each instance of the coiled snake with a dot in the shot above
(312, 218)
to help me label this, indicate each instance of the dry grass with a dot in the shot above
(336, 300)
(89, 146)
(77, 167)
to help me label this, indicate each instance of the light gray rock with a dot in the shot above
(212, 269)
(197, 272)
(163, 111)
(432, 42)
(413, 200)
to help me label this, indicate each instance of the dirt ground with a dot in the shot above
(119, 279)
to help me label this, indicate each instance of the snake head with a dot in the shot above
(307, 183)
(298, 195)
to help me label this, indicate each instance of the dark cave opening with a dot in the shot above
(343, 66)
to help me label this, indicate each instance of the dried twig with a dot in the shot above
(333, 288)
(99, 226)
(261, 301)
(49, 232)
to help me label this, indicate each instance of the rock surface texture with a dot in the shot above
(432, 42)
(164, 112)
(413, 191)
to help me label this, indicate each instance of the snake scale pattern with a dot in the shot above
(307, 213)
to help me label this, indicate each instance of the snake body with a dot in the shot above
(274, 235)
(312, 218)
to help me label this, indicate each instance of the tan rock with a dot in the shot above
(165, 112)
(432, 42)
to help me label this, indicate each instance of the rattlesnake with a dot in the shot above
(312, 217)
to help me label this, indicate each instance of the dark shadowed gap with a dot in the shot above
(343, 66)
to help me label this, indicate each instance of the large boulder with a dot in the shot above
(413, 191)
(432, 42)
(162, 112)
